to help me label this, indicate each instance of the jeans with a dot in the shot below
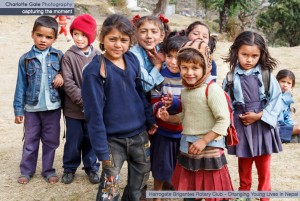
(136, 151)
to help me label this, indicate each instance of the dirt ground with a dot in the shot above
(15, 39)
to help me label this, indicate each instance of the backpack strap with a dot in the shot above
(229, 84)
(206, 90)
(265, 73)
(102, 69)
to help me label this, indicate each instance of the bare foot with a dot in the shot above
(53, 179)
(23, 180)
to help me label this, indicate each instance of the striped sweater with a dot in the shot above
(172, 83)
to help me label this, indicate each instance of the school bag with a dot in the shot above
(265, 73)
(231, 139)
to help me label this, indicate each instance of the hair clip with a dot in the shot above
(135, 19)
(163, 18)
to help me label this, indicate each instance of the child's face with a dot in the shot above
(286, 84)
(199, 32)
(43, 37)
(115, 44)
(248, 56)
(190, 72)
(149, 35)
(80, 40)
(171, 61)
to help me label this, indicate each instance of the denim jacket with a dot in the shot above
(29, 79)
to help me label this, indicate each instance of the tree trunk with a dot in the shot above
(224, 16)
(161, 7)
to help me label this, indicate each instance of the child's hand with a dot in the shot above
(58, 81)
(155, 58)
(197, 147)
(250, 117)
(167, 100)
(19, 119)
(153, 129)
(163, 114)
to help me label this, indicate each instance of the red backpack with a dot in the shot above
(231, 138)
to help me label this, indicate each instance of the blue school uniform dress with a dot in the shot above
(286, 123)
(260, 137)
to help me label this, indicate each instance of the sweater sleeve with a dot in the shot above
(70, 87)
(217, 102)
(274, 105)
(150, 120)
(19, 98)
(93, 98)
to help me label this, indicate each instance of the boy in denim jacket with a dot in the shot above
(37, 102)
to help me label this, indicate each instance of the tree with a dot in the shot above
(224, 15)
(282, 18)
(161, 7)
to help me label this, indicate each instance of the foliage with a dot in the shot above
(119, 3)
(281, 22)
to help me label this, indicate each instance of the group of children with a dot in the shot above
(143, 101)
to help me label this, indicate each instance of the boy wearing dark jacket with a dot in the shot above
(83, 30)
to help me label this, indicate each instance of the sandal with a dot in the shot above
(24, 179)
(51, 178)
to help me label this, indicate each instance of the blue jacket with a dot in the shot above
(149, 74)
(114, 107)
(285, 117)
(29, 79)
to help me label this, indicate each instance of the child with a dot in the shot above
(201, 31)
(255, 116)
(37, 102)
(150, 33)
(117, 112)
(83, 30)
(287, 127)
(165, 143)
(205, 120)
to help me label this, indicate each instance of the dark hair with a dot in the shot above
(119, 22)
(174, 41)
(164, 27)
(212, 40)
(46, 21)
(191, 56)
(286, 73)
(250, 38)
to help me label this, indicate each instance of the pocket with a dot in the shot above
(31, 73)
(54, 70)
(109, 163)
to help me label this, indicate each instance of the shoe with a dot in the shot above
(67, 177)
(93, 177)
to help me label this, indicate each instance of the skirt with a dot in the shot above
(286, 132)
(256, 139)
(202, 180)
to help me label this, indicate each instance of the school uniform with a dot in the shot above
(260, 139)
